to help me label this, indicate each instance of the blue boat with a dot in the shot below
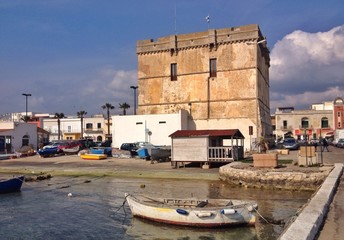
(11, 185)
(48, 151)
(102, 150)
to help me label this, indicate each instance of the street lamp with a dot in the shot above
(26, 95)
(134, 87)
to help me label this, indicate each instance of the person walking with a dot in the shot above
(325, 144)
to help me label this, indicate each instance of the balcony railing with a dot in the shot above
(93, 130)
(220, 154)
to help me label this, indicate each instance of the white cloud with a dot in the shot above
(109, 85)
(307, 68)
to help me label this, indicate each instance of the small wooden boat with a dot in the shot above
(11, 185)
(193, 212)
(92, 156)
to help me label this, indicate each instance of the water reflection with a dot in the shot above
(143, 229)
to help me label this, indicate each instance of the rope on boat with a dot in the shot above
(260, 215)
(273, 222)
(122, 206)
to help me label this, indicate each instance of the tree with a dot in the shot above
(108, 106)
(59, 116)
(124, 106)
(81, 115)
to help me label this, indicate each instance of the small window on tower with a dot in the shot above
(212, 66)
(174, 71)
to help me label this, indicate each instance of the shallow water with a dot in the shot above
(43, 210)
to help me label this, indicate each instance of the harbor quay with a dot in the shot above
(321, 213)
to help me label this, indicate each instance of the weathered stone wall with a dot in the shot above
(272, 178)
(239, 91)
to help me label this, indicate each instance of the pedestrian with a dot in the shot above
(325, 144)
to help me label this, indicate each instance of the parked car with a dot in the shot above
(291, 144)
(132, 147)
(340, 143)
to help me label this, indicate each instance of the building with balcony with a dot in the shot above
(303, 124)
(71, 129)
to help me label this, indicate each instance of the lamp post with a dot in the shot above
(26, 95)
(134, 87)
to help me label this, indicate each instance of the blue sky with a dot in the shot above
(74, 55)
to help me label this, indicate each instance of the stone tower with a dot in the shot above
(221, 76)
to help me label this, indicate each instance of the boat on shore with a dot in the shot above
(102, 150)
(69, 147)
(193, 212)
(48, 151)
(11, 185)
(92, 156)
(71, 150)
(161, 153)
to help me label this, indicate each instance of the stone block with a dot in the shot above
(265, 160)
(308, 161)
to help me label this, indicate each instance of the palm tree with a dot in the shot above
(108, 106)
(59, 116)
(81, 115)
(124, 106)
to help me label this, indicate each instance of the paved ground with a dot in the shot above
(334, 225)
(71, 165)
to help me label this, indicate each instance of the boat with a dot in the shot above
(71, 150)
(102, 150)
(11, 185)
(69, 147)
(161, 153)
(92, 156)
(48, 151)
(193, 212)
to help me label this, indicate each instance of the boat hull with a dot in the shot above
(91, 156)
(11, 185)
(71, 151)
(162, 154)
(240, 213)
(102, 150)
(48, 152)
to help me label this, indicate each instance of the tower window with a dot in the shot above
(212, 67)
(174, 71)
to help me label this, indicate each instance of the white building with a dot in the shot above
(323, 106)
(153, 128)
(70, 128)
(14, 135)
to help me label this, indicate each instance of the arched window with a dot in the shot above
(25, 140)
(304, 123)
(324, 122)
